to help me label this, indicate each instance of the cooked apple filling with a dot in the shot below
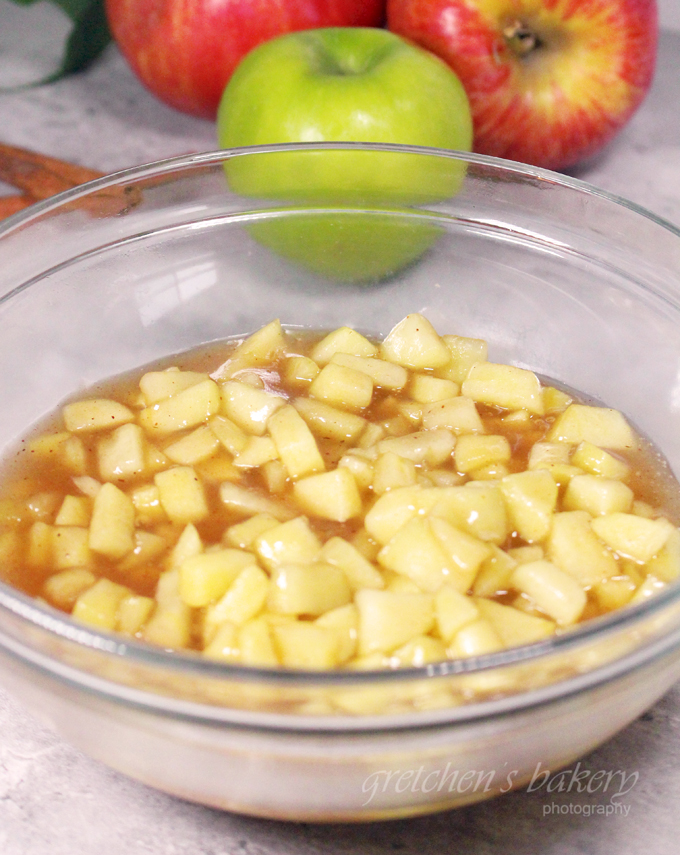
(330, 501)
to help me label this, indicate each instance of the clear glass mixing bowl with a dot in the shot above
(558, 277)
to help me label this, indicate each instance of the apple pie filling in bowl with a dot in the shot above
(561, 282)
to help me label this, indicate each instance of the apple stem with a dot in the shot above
(521, 39)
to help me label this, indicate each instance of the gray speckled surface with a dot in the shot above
(55, 800)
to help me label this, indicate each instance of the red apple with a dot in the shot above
(550, 82)
(185, 51)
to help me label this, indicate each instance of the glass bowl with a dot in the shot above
(558, 277)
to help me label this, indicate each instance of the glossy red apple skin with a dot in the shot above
(565, 100)
(184, 51)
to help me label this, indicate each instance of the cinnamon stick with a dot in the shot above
(12, 204)
(39, 176)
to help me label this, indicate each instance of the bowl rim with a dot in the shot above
(34, 614)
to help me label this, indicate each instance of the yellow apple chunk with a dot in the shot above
(414, 343)
(186, 409)
(632, 536)
(531, 499)
(384, 374)
(359, 571)
(555, 592)
(597, 461)
(248, 407)
(465, 352)
(255, 351)
(473, 452)
(330, 495)
(158, 385)
(291, 542)
(204, 578)
(574, 548)
(597, 495)
(458, 414)
(476, 508)
(453, 611)
(342, 340)
(295, 443)
(596, 425)
(388, 619)
(329, 422)
(306, 646)
(476, 638)
(182, 494)
(345, 388)
(95, 414)
(307, 589)
(514, 627)
(504, 386)
(98, 605)
(63, 589)
(112, 526)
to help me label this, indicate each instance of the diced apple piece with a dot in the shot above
(112, 525)
(224, 644)
(295, 443)
(299, 371)
(307, 589)
(384, 374)
(342, 340)
(465, 552)
(597, 461)
(597, 495)
(330, 495)
(243, 535)
(514, 627)
(291, 542)
(388, 619)
(158, 385)
(248, 407)
(392, 471)
(494, 574)
(394, 509)
(243, 599)
(329, 422)
(70, 546)
(478, 509)
(247, 502)
(258, 451)
(475, 639)
(555, 400)
(531, 499)
(504, 386)
(95, 414)
(458, 414)
(74, 455)
(665, 565)
(341, 387)
(465, 352)
(63, 589)
(432, 447)
(182, 494)
(414, 343)
(453, 611)
(121, 454)
(574, 548)
(415, 552)
(599, 426)
(148, 547)
(256, 646)
(359, 571)
(39, 544)
(649, 588)
(362, 469)
(427, 389)
(418, 651)
(257, 350)
(615, 592)
(544, 455)
(48, 445)
(186, 409)
(555, 592)
(632, 536)
(74, 510)
(306, 646)
(193, 448)
(344, 622)
(474, 451)
(133, 612)
(204, 578)
(229, 434)
(98, 605)
(147, 502)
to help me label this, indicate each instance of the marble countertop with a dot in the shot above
(56, 801)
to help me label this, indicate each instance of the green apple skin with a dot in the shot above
(345, 85)
(353, 84)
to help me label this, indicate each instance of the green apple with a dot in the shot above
(346, 84)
